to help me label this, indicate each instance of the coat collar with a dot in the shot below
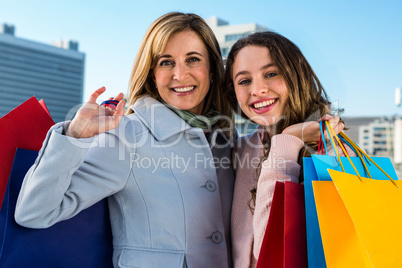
(160, 120)
(163, 122)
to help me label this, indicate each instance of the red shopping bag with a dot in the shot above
(284, 243)
(24, 127)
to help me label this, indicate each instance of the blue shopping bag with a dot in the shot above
(316, 169)
(82, 241)
(324, 162)
(315, 249)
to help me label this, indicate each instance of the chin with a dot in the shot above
(264, 121)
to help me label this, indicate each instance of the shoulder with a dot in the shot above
(247, 143)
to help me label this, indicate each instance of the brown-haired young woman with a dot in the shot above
(270, 80)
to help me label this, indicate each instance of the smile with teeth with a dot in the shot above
(183, 89)
(263, 104)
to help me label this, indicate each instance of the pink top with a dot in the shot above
(281, 165)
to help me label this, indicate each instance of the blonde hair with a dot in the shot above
(153, 44)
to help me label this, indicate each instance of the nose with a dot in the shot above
(180, 72)
(258, 88)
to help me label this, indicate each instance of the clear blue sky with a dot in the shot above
(355, 46)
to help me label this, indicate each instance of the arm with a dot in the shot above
(68, 177)
(70, 174)
(310, 130)
(281, 165)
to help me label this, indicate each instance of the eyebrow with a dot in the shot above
(194, 52)
(188, 54)
(262, 68)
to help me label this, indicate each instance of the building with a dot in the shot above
(377, 138)
(353, 124)
(375, 135)
(398, 142)
(227, 35)
(52, 73)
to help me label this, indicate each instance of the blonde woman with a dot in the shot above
(165, 166)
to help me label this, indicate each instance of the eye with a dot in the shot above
(165, 63)
(244, 82)
(193, 59)
(270, 74)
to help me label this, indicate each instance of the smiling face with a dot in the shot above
(182, 72)
(260, 90)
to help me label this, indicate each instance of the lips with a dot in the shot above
(263, 106)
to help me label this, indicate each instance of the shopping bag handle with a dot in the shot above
(320, 149)
(332, 137)
(357, 148)
(322, 144)
(368, 157)
(354, 147)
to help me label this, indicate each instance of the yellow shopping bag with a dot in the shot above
(375, 207)
(354, 215)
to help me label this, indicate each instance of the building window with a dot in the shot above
(379, 128)
(233, 37)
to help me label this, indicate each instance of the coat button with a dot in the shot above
(211, 186)
(216, 237)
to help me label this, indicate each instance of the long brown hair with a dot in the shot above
(153, 44)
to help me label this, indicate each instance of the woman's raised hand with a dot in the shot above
(92, 119)
(310, 131)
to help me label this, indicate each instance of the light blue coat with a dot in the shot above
(169, 206)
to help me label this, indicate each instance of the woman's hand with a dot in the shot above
(92, 119)
(310, 131)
